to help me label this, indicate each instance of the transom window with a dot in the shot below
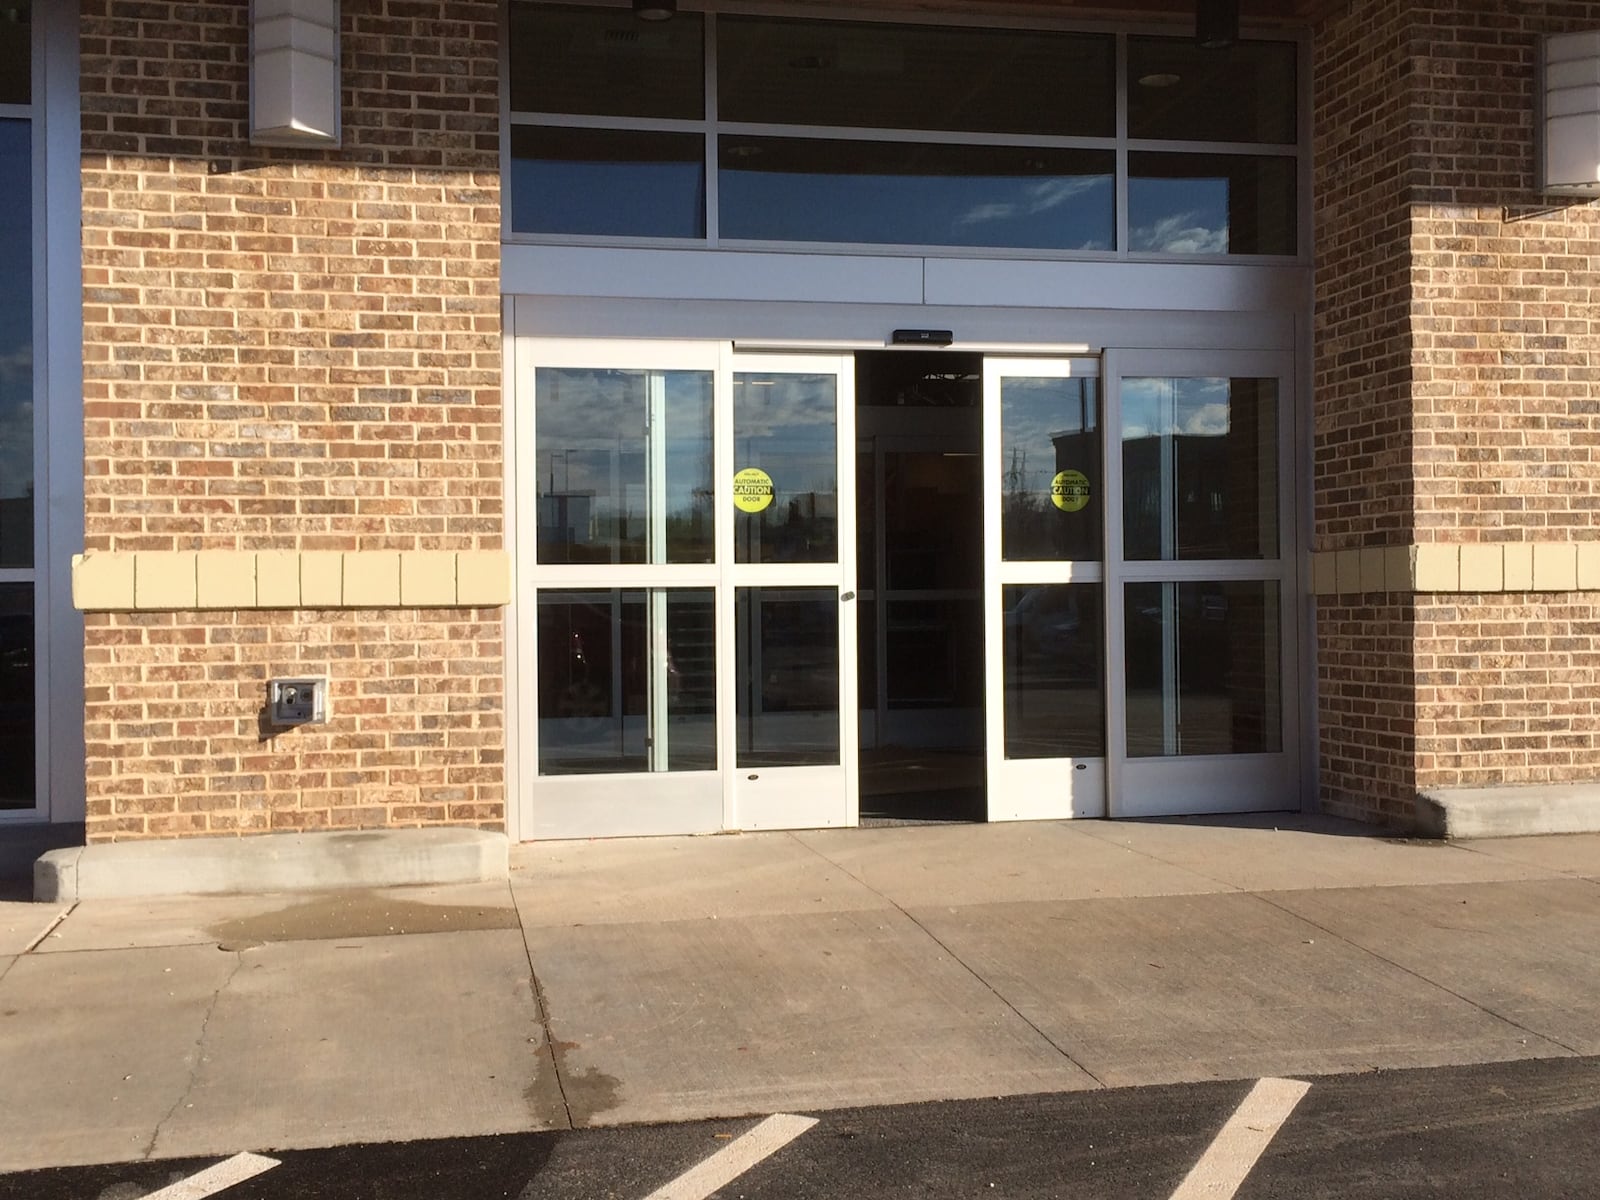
(754, 130)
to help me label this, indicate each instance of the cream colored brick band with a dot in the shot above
(188, 580)
(1468, 568)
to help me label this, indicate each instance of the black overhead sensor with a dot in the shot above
(921, 337)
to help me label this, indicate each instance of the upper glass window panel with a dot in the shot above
(16, 79)
(605, 62)
(1178, 91)
(917, 193)
(785, 449)
(618, 182)
(1200, 469)
(882, 76)
(1050, 469)
(623, 463)
(1212, 204)
(16, 344)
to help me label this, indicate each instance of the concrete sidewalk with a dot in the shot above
(668, 979)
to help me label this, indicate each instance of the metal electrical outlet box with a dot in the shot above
(297, 701)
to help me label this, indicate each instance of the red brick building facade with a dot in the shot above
(304, 388)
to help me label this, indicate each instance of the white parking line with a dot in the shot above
(214, 1179)
(734, 1159)
(1243, 1140)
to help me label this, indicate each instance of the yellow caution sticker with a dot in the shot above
(1069, 491)
(752, 490)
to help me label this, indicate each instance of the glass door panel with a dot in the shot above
(1202, 708)
(791, 647)
(1044, 588)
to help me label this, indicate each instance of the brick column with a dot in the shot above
(291, 352)
(1457, 445)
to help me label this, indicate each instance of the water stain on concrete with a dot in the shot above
(359, 914)
(588, 1092)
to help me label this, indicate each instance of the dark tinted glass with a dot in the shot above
(16, 54)
(787, 676)
(1211, 204)
(607, 181)
(16, 695)
(1054, 671)
(912, 193)
(16, 344)
(1183, 92)
(605, 62)
(881, 76)
(1203, 669)
(607, 704)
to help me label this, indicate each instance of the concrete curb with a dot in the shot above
(1509, 811)
(271, 863)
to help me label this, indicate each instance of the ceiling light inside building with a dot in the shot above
(1216, 23)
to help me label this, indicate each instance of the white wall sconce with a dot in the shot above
(294, 73)
(1569, 120)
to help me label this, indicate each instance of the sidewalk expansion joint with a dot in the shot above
(961, 962)
(51, 928)
(1418, 975)
(199, 1056)
(544, 1013)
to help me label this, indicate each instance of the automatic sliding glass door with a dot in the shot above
(789, 425)
(1044, 588)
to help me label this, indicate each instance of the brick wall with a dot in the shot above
(291, 350)
(1454, 399)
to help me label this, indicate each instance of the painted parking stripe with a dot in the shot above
(215, 1179)
(1243, 1140)
(734, 1159)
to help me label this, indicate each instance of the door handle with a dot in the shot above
(846, 597)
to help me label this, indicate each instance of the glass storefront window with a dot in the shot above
(1178, 91)
(605, 62)
(607, 182)
(1204, 669)
(16, 695)
(16, 54)
(1054, 671)
(623, 465)
(787, 676)
(906, 134)
(1050, 464)
(916, 193)
(1212, 204)
(1199, 469)
(785, 439)
(16, 343)
(627, 681)
(1021, 81)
